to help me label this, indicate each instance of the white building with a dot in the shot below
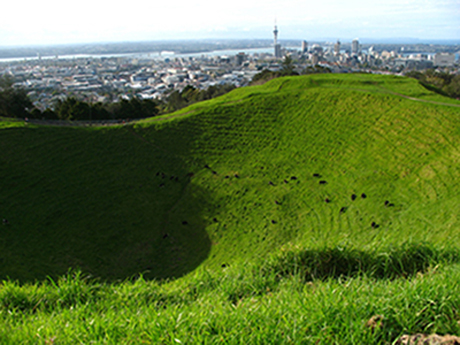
(444, 59)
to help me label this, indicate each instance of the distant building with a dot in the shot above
(276, 45)
(355, 46)
(240, 59)
(278, 53)
(317, 49)
(418, 64)
(444, 59)
(315, 59)
(304, 47)
(337, 48)
(387, 55)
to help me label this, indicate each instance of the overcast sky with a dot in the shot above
(29, 22)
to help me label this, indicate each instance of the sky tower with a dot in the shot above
(277, 46)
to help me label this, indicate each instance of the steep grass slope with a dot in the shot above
(233, 179)
(357, 132)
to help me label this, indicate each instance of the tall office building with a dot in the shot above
(304, 47)
(315, 59)
(240, 58)
(355, 46)
(276, 44)
(337, 48)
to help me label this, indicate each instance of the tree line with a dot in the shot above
(14, 102)
(441, 82)
(287, 69)
(73, 109)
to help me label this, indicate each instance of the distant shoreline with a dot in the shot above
(195, 47)
(130, 48)
(145, 55)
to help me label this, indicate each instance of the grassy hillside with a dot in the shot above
(348, 129)
(322, 177)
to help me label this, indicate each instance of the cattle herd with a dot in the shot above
(327, 200)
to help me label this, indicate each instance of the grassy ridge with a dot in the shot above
(105, 180)
(229, 185)
(385, 146)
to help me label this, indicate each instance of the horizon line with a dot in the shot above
(365, 40)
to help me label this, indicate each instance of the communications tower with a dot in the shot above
(276, 44)
(275, 33)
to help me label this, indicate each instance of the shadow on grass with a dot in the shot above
(404, 261)
(433, 88)
(108, 202)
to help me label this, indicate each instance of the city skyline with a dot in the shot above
(48, 22)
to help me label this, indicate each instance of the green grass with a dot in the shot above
(239, 304)
(242, 247)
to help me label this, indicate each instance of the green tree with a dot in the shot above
(288, 67)
(453, 88)
(189, 94)
(14, 102)
(133, 109)
(149, 108)
(317, 69)
(174, 102)
(264, 76)
(73, 109)
(443, 83)
(49, 114)
(98, 111)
